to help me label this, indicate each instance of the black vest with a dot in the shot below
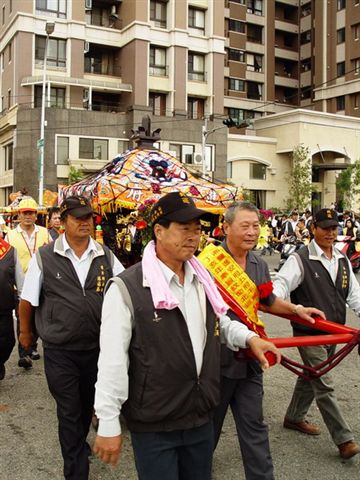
(68, 316)
(165, 392)
(318, 290)
(7, 282)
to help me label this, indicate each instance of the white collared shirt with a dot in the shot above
(34, 278)
(290, 276)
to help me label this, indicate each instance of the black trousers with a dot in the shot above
(7, 336)
(71, 377)
(245, 397)
(176, 455)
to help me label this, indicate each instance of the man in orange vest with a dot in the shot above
(26, 238)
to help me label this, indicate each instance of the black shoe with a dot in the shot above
(2, 372)
(25, 362)
(35, 355)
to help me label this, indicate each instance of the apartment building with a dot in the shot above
(109, 62)
(284, 56)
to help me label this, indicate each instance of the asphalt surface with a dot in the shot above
(29, 448)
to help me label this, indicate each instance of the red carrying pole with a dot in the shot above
(311, 341)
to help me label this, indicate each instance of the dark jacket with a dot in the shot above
(317, 289)
(7, 282)
(68, 315)
(165, 392)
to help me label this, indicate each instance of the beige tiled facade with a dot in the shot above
(112, 61)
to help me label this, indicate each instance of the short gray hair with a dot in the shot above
(232, 210)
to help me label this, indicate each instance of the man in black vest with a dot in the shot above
(320, 275)
(65, 282)
(159, 360)
(11, 280)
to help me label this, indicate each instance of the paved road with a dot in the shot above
(29, 447)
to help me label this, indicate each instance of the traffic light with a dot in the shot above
(237, 123)
(229, 122)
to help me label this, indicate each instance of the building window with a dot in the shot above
(175, 150)
(356, 65)
(257, 171)
(254, 90)
(236, 84)
(356, 31)
(196, 20)
(1, 62)
(157, 101)
(10, 51)
(187, 154)
(236, 55)
(57, 97)
(8, 156)
(10, 6)
(306, 10)
(3, 15)
(254, 33)
(340, 69)
(356, 101)
(242, 2)
(102, 61)
(158, 13)
(56, 54)
(340, 103)
(93, 148)
(305, 37)
(229, 173)
(195, 108)
(254, 62)
(123, 146)
(306, 64)
(341, 4)
(240, 114)
(9, 98)
(255, 7)
(53, 8)
(340, 35)
(236, 26)
(196, 66)
(62, 150)
(100, 16)
(157, 62)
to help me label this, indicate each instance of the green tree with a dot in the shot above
(348, 184)
(299, 179)
(75, 174)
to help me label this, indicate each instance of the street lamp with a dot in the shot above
(49, 28)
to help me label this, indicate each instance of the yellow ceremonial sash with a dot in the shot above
(233, 279)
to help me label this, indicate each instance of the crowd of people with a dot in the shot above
(278, 230)
(157, 342)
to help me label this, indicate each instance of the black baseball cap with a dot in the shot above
(325, 218)
(76, 206)
(175, 207)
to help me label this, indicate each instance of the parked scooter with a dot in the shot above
(343, 243)
(290, 245)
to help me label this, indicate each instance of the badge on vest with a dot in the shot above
(156, 318)
(58, 276)
(217, 327)
(100, 280)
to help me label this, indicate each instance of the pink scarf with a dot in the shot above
(160, 291)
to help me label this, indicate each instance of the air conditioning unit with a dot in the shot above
(86, 46)
(85, 95)
(113, 15)
(88, 4)
(198, 159)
